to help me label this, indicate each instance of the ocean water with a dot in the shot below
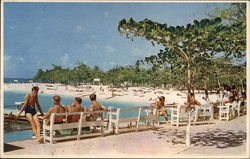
(10, 97)
(20, 80)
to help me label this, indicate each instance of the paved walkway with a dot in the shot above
(222, 139)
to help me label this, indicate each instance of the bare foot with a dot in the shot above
(40, 141)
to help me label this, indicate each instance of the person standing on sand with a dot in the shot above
(95, 106)
(30, 111)
(75, 107)
(159, 105)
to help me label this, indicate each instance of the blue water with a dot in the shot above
(10, 97)
(20, 80)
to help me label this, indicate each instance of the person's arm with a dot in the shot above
(155, 104)
(26, 99)
(39, 107)
(103, 107)
(83, 109)
(197, 102)
(66, 108)
(47, 115)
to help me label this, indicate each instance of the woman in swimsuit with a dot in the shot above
(30, 111)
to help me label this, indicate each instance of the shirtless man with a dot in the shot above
(95, 106)
(193, 101)
(57, 108)
(160, 108)
(30, 111)
(75, 107)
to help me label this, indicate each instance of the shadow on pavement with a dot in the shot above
(9, 147)
(218, 138)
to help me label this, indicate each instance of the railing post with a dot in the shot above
(109, 119)
(80, 126)
(138, 119)
(117, 121)
(44, 131)
(52, 119)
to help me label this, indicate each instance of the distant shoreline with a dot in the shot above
(142, 95)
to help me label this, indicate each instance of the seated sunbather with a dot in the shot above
(57, 108)
(75, 107)
(160, 108)
(95, 106)
(193, 101)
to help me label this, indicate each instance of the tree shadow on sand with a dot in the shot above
(218, 138)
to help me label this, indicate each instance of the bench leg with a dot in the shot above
(116, 128)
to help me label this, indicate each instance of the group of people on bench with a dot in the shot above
(30, 100)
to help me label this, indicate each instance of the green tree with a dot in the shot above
(236, 13)
(202, 38)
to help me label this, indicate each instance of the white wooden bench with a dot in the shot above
(116, 121)
(237, 107)
(179, 116)
(204, 114)
(225, 111)
(49, 126)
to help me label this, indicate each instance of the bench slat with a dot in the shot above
(122, 120)
(65, 126)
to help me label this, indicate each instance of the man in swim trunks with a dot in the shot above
(30, 112)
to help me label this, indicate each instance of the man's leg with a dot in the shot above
(32, 123)
(37, 124)
(166, 115)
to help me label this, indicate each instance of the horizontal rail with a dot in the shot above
(17, 130)
(78, 113)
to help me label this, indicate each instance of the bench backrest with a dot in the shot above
(82, 116)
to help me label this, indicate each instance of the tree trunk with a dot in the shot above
(242, 86)
(188, 143)
(206, 91)
(219, 84)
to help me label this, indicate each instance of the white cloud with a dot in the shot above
(65, 59)
(93, 36)
(137, 52)
(80, 28)
(106, 14)
(109, 48)
(89, 46)
(7, 58)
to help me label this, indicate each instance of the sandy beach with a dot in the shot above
(144, 95)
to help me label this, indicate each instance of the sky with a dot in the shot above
(37, 35)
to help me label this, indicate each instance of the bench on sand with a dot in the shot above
(49, 126)
(118, 122)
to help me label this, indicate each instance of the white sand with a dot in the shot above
(133, 94)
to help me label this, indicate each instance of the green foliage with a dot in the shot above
(189, 48)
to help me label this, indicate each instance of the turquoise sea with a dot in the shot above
(10, 97)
